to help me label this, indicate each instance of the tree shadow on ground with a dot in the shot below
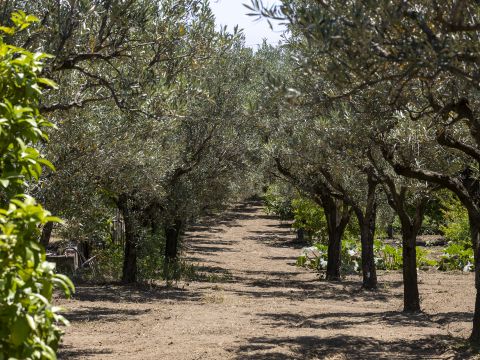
(230, 218)
(209, 249)
(286, 225)
(213, 274)
(68, 353)
(103, 314)
(348, 347)
(286, 285)
(274, 239)
(133, 293)
(451, 317)
(347, 320)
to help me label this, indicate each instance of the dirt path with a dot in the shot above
(255, 304)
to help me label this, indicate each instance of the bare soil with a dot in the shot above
(254, 303)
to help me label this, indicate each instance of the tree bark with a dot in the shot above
(475, 234)
(411, 296)
(300, 235)
(367, 222)
(397, 199)
(334, 258)
(410, 230)
(367, 235)
(172, 236)
(129, 272)
(46, 234)
(390, 231)
(337, 215)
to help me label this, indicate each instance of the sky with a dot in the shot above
(232, 12)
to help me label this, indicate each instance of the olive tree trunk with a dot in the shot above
(367, 237)
(172, 237)
(410, 229)
(129, 271)
(337, 214)
(411, 296)
(475, 234)
(46, 234)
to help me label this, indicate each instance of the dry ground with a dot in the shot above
(257, 305)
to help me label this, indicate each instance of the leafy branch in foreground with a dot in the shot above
(28, 321)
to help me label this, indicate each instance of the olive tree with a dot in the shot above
(418, 57)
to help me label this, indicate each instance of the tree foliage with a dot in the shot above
(28, 321)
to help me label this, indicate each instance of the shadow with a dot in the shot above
(229, 218)
(209, 249)
(335, 321)
(450, 317)
(67, 353)
(132, 293)
(211, 241)
(297, 290)
(283, 258)
(212, 269)
(267, 217)
(286, 226)
(277, 240)
(197, 260)
(346, 347)
(103, 314)
(203, 228)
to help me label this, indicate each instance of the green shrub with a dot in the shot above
(150, 262)
(423, 261)
(107, 265)
(278, 201)
(315, 257)
(457, 228)
(387, 257)
(28, 321)
(310, 217)
(351, 256)
(457, 257)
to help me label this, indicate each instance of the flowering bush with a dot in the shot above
(315, 257)
(387, 257)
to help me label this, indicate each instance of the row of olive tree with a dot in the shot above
(389, 95)
(152, 112)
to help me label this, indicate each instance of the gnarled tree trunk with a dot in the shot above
(337, 214)
(410, 230)
(411, 296)
(367, 222)
(46, 234)
(129, 271)
(172, 236)
(475, 234)
(367, 235)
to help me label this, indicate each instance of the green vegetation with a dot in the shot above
(279, 203)
(362, 126)
(29, 323)
(387, 257)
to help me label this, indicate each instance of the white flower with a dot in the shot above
(352, 252)
(323, 264)
(468, 267)
(311, 251)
